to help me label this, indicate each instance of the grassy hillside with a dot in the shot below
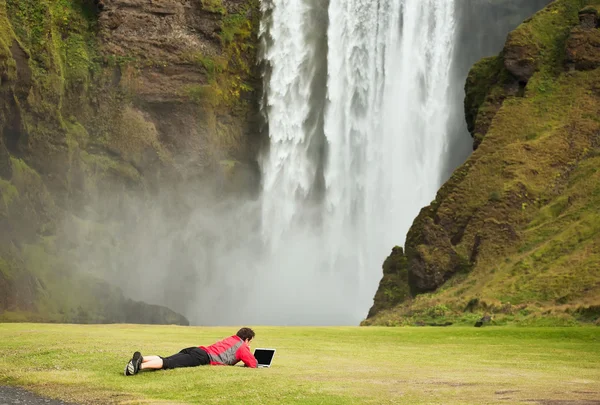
(311, 366)
(515, 233)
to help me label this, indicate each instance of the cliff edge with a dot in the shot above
(515, 233)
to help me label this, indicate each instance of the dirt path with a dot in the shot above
(14, 396)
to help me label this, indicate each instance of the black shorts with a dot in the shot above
(190, 357)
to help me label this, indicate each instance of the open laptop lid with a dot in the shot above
(264, 357)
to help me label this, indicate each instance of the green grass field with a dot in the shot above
(333, 365)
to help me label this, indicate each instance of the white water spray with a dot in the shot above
(385, 135)
(359, 107)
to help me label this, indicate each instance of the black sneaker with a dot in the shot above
(133, 367)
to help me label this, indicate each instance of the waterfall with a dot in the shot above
(362, 103)
(342, 188)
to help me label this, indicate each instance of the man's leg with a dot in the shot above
(151, 363)
(189, 357)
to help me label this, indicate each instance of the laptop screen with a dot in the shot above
(264, 356)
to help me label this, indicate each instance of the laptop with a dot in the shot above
(264, 357)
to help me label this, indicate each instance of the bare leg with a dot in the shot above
(152, 363)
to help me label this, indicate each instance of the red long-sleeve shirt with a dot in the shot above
(230, 351)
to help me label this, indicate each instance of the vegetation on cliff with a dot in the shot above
(82, 114)
(514, 233)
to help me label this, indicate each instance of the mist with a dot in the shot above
(347, 169)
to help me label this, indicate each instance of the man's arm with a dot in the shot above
(245, 356)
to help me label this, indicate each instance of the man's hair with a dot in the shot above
(245, 333)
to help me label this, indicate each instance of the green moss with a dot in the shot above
(9, 193)
(102, 168)
(590, 9)
(77, 135)
(59, 42)
(213, 65)
(209, 95)
(235, 28)
(25, 178)
(135, 140)
(547, 33)
(214, 6)
(8, 67)
(60, 38)
(230, 73)
(77, 59)
(48, 29)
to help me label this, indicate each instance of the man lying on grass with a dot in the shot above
(228, 352)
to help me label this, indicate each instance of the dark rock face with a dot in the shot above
(177, 50)
(159, 36)
(588, 18)
(583, 45)
(431, 257)
(481, 105)
(520, 59)
(393, 288)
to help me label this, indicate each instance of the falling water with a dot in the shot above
(357, 136)
(363, 108)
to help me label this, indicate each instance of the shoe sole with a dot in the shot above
(137, 362)
(133, 366)
(127, 367)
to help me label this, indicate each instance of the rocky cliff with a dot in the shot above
(120, 98)
(515, 232)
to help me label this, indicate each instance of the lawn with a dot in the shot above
(337, 365)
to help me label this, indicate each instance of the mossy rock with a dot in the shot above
(583, 48)
(393, 288)
(588, 17)
(488, 84)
